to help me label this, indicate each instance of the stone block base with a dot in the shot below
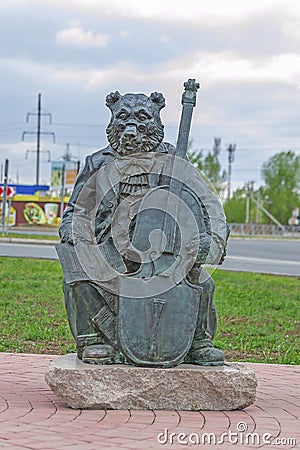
(185, 387)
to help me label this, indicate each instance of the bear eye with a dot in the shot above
(123, 115)
(121, 127)
(142, 115)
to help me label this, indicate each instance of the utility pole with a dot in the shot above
(231, 150)
(68, 163)
(63, 183)
(67, 156)
(217, 147)
(4, 230)
(267, 213)
(39, 113)
(249, 186)
(247, 203)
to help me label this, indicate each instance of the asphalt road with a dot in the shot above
(28, 250)
(279, 256)
(253, 255)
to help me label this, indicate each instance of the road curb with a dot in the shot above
(29, 241)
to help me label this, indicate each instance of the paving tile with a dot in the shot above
(31, 417)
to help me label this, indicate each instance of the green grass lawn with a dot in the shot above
(258, 314)
(41, 237)
(259, 317)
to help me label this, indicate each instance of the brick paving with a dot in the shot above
(32, 417)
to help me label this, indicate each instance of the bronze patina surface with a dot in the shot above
(139, 226)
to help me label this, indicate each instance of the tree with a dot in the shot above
(281, 174)
(196, 157)
(213, 170)
(210, 166)
(235, 207)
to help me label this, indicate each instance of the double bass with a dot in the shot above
(157, 304)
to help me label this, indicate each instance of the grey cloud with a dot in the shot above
(262, 118)
(32, 33)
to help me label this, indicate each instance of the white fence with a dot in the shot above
(259, 229)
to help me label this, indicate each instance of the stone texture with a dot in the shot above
(185, 387)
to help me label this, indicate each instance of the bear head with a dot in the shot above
(135, 125)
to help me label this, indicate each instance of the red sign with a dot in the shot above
(10, 191)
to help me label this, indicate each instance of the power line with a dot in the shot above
(39, 113)
(89, 125)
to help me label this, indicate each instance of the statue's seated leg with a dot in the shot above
(84, 302)
(98, 354)
(202, 351)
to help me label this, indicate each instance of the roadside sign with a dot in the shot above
(10, 191)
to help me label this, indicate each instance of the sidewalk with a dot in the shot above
(31, 417)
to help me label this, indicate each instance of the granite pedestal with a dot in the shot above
(185, 387)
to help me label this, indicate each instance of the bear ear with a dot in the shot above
(112, 99)
(158, 99)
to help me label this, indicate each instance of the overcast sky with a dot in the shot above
(245, 55)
